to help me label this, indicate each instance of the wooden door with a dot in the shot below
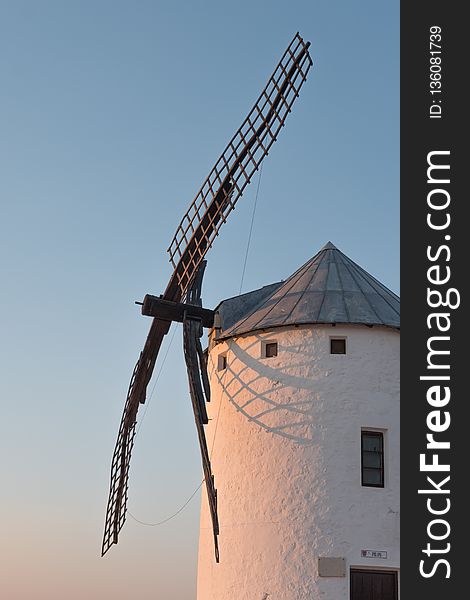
(374, 585)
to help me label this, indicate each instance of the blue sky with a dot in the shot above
(111, 116)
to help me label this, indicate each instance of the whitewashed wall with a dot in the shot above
(286, 459)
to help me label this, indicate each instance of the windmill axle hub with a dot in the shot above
(154, 306)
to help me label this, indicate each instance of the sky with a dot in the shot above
(112, 113)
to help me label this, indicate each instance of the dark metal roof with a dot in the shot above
(329, 288)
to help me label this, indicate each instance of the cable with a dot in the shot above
(200, 485)
(138, 429)
(251, 228)
(173, 515)
(220, 404)
(156, 380)
(218, 415)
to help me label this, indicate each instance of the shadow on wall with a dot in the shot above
(279, 396)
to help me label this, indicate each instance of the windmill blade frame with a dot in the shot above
(194, 236)
(199, 392)
(233, 171)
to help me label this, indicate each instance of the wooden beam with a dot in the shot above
(154, 306)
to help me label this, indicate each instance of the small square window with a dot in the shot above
(372, 458)
(269, 349)
(222, 362)
(338, 346)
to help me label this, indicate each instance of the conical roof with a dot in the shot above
(329, 288)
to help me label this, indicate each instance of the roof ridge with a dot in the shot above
(381, 285)
(297, 273)
(311, 279)
(346, 310)
(365, 296)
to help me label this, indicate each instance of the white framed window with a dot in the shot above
(372, 458)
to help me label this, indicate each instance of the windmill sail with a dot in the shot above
(117, 500)
(200, 392)
(237, 164)
(193, 238)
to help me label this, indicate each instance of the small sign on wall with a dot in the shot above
(331, 566)
(373, 554)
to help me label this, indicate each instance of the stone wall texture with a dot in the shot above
(285, 437)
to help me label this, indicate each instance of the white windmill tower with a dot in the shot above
(305, 409)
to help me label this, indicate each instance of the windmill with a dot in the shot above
(181, 300)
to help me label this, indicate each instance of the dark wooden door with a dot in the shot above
(374, 585)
